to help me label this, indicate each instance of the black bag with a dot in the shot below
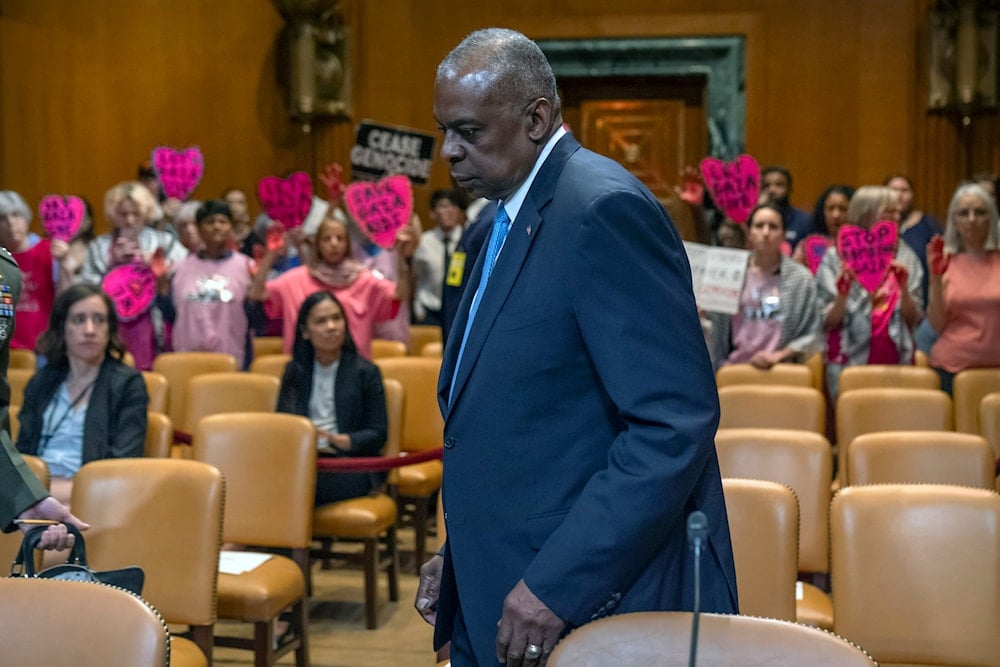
(75, 568)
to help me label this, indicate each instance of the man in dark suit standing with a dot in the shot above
(579, 401)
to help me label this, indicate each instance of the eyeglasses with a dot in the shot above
(971, 213)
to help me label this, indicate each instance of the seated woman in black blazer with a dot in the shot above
(84, 404)
(340, 392)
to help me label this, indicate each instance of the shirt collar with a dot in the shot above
(514, 202)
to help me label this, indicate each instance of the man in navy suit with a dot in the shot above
(579, 401)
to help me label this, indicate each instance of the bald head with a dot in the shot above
(505, 66)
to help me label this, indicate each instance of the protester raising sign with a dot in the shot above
(179, 172)
(381, 208)
(734, 185)
(381, 150)
(868, 252)
(717, 275)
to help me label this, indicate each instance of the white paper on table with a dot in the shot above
(238, 562)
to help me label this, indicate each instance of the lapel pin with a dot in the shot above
(529, 230)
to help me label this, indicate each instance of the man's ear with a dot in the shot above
(540, 119)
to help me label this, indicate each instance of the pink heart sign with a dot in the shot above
(734, 185)
(381, 208)
(179, 172)
(286, 200)
(815, 246)
(61, 216)
(132, 288)
(868, 253)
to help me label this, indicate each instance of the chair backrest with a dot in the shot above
(159, 435)
(968, 390)
(269, 462)
(863, 411)
(395, 408)
(920, 457)
(764, 525)
(772, 406)
(51, 622)
(433, 349)
(385, 349)
(423, 426)
(271, 364)
(267, 345)
(989, 420)
(236, 391)
(914, 572)
(22, 359)
(421, 334)
(664, 638)
(802, 461)
(164, 515)
(15, 424)
(18, 379)
(874, 376)
(794, 375)
(179, 367)
(159, 391)
(814, 362)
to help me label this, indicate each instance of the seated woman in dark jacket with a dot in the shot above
(84, 404)
(340, 392)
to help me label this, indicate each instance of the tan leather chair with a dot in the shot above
(159, 435)
(793, 375)
(814, 362)
(874, 376)
(421, 334)
(164, 515)
(386, 349)
(22, 359)
(269, 462)
(989, 420)
(218, 393)
(423, 429)
(920, 359)
(764, 525)
(158, 390)
(371, 519)
(179, 367)
(434, 350)
(50, 622)
(15, 424)
(664, 638)
(271, 364)
(803, 461)
(267, 345)
(915, 576)
(921, 457)
(128, 359)
(18, 379)
(772, 406)
(10, 543)
(969, 389)
(863, 411)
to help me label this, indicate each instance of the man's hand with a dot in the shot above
(55, 536)
(429, 588)
(275, 238)
(692, 188)
(526, 620)
(902, 274)
(332, 177)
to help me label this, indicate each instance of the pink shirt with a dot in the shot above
(37, 294)
(366, 301)
(970, 337)
(209, 297)
(757, 325)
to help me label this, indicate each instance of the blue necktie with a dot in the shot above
(501, 223)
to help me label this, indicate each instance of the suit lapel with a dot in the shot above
(515, 251)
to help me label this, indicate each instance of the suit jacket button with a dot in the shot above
(449, 442)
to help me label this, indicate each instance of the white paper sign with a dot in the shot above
(238, 562)
(717, 275)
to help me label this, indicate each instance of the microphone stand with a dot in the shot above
(697, 530)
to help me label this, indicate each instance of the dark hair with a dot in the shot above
(819, 216)
(772, 207)
(303, 353)
(438, 195)
(777, 169)
(52, 342)
(212, 207)
(893, 176)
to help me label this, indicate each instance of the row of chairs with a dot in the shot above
(914, 574)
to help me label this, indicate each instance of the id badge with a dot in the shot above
(456, 269)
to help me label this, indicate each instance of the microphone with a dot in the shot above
(697, 534)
